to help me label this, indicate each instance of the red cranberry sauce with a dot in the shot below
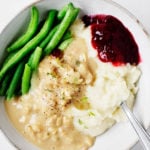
(112, 40)
(57, 53)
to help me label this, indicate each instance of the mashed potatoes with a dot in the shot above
(112, 86)
(73, 99)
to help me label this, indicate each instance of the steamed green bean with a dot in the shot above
(32, 28)
(31, 45)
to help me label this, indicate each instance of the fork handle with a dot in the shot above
(141, 132)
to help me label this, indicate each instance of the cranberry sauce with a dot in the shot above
(57, 53)
(113, 42)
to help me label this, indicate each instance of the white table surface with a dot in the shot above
(9, 8)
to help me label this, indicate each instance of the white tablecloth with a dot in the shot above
(9, 8)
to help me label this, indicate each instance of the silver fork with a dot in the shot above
(144, 137)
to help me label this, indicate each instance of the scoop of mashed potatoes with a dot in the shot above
(112, 85)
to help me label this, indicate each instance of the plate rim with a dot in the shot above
(125, 10)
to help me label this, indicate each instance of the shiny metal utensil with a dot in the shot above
(141, 132)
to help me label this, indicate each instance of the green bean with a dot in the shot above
(67, 35)
(30, 59)
(4, 85)
(65, 44)
(25, 85)
(76, 12)
(31, 45)
(30, 67)
(8, 57)
(64, 25)
(14, 82)
(63, 11)
(32, 28)
(49, 37)
(36, 58)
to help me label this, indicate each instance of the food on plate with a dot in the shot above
(114, 78)
(32, 28)
(113, 42)
(73, 81)
(51, 41)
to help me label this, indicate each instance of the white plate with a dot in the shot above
(120, 136)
